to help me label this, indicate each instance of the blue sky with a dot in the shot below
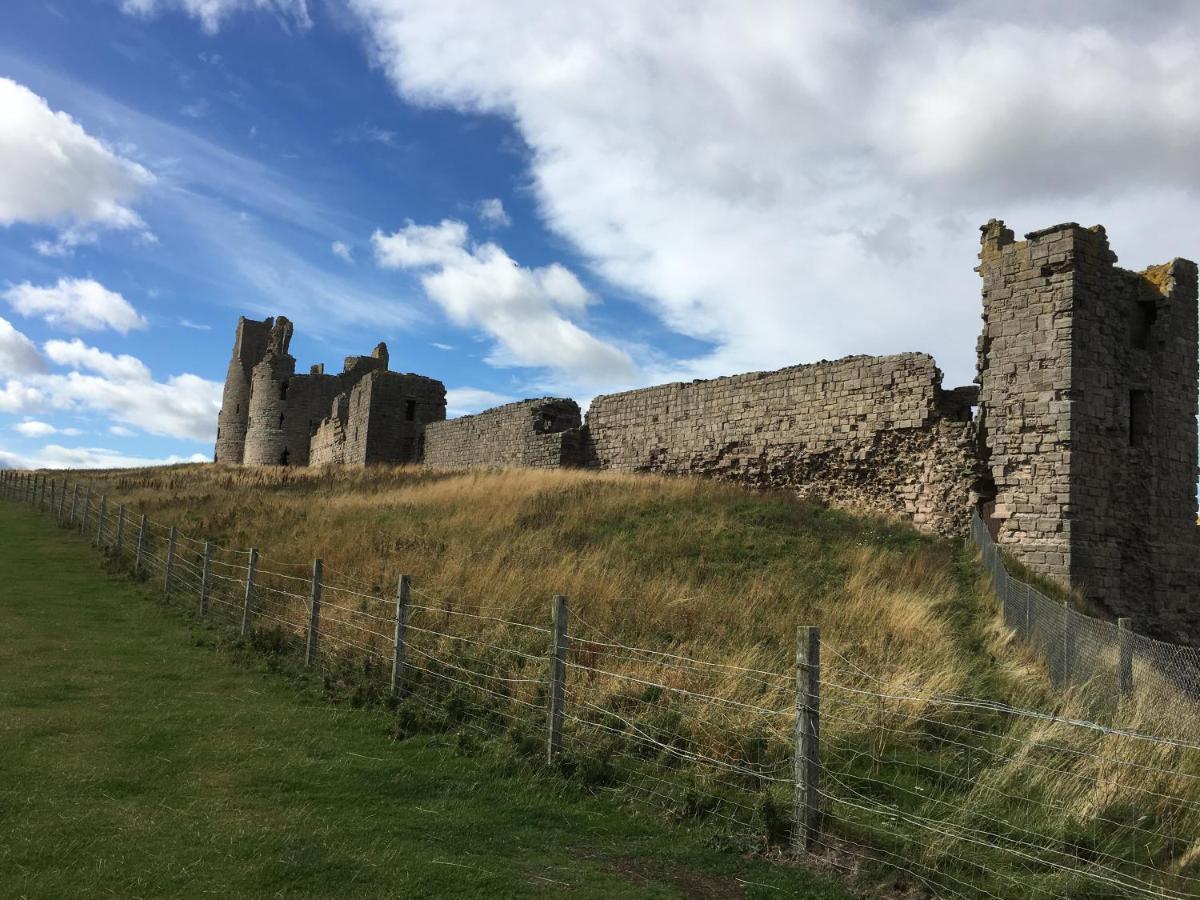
(525, 199)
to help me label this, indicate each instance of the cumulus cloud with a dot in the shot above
(342, 251)
(212, 12)
(18, 397)
(52, 172)
(18, 354)
(526, 310)
(78, 355)
(34, 428)
(463, 401)
(120, 388)
(75, 303)
(492, 213)
(788, 181)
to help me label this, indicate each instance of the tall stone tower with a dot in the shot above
(270, 381)
(249, 347)
(1087, 419)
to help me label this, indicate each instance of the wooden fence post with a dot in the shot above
(141, 546)
(74, 503)
(170, 566)
(558, 679)
(204, 577)
(1125, 654)
(62, 503)
(40, 499)
(807, 761)
(87, 508)
(1068, 643)
(402, 592)
(120, 530)
(314, 614)
(100, 519)
(248, 603)
(53, 494)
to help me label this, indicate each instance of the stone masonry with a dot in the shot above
(1087, 420)
(872, 432)
(1082, 454)
(538, 434)
(280, 418)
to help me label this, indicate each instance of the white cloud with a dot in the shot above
(120, 388)
(120, 431)
(525, 310)
(77, 303)
(52, 172)
(492, 213)
(34, 428)
(791, 181)
(79, 355)
(18, 354)
(212, 12)
(442, 346)
(342, 251)
(195, 326)
(466, 400)
(18, 397)
(55, 456)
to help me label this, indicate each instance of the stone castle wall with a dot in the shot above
(873, 432)
(1088, 417)
(537, 434)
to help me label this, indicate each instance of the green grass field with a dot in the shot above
(140, 759)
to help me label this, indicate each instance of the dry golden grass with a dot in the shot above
(715, 573)
(710, 569)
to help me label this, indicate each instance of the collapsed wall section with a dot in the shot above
(542, 433)
(870, 432)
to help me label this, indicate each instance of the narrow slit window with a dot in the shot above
(1142, 324)
(410, 410)
(1139, 418)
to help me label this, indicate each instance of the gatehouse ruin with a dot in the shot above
(1077, 442)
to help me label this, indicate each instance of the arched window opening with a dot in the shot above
(283, 390)
(283, 457)
(410, 410)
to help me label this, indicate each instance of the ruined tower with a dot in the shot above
(249, 347)
(1087, 419)
(364, 414)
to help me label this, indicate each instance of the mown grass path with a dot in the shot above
(138, 761)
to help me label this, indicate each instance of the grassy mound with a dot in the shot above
(685, 599)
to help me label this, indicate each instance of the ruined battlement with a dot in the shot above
(538, 434)
(1077, 442)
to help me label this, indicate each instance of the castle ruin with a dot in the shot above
(1077, 443)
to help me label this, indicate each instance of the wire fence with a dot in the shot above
(1111, 658)
(1096, 797)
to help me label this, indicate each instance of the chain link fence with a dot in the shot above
(1076, 648)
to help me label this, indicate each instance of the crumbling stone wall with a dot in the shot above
(382, 419)
(1088, 378)
(542, 433)
(328, 444)
(871, 432)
